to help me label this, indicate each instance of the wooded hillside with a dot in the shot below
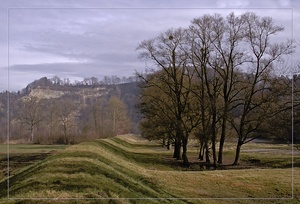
(52, 111)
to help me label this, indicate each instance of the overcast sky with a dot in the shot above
(77, 39)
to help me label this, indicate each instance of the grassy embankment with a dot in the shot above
(23, 155)
(125, 167)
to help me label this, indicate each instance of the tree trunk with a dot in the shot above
(184, 152)
(201, 151)
(213, 140)
(214, 154)
(222, 140)
(237, 153)
(207, 159)
(163, 142)
(31, 134)
(65, 136)
(177, 148)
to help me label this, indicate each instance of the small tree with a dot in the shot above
(66, 114)
(117, 116)
(30, 114)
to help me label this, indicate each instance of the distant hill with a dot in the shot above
(84, 95)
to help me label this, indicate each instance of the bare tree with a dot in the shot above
(117, 114)
(157, 112)
(30, 114)
(215, 46)
(94, 81)
(255, 98)
(56, 80)
(97, 109)
(107, 80)
(168, 51)
(66, 113)
(206, 82)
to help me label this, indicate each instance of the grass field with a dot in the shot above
(127, 169)
(22, 155)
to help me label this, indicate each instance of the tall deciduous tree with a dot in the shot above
(215, 46)
(168, 51)
(206, 63)
(255, 96)
(157, 112)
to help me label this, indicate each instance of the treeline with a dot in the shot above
(74, 115)
(216, 79)
(65, 83)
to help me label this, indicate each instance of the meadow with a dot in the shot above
(128, 169)
(23, 155)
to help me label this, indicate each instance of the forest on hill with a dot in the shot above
(55, 111)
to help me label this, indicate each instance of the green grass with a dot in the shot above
(92, 170)
(24, 155)
(270, 161)
(29, 148)
(137, 144)
(107, 171)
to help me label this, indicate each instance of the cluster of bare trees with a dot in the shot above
(66, 120)
(106, 118)
(94, 81)
(213, 79)
(42, 121)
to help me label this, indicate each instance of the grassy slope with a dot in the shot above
(23, 155)
(127, 168)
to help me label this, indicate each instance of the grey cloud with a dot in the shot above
(78, 70)
(103, 41)
(119, 35)
(22, 75)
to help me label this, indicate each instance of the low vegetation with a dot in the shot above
(23, 155)
(128, 169)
